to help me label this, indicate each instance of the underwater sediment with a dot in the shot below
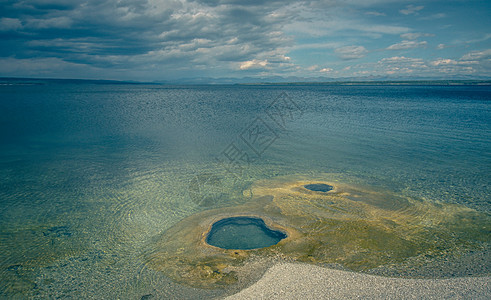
(354, 226)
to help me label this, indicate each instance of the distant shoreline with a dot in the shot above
(211, 81)
(408, 82)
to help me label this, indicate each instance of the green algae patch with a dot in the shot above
(356, 227)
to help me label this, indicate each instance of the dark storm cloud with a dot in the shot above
(243, 2)
(127, 34)
(155, 39)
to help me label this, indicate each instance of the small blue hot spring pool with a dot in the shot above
(243, 233)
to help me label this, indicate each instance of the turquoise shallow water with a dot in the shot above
(91, 174)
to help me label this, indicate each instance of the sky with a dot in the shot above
(158, 40)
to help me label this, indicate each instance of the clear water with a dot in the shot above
(318, 187)
(91, 174)
(243, 233)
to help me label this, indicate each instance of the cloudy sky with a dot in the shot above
(170, 39)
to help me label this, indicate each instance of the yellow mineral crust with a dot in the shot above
(354, 226)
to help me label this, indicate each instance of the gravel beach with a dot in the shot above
(302, 281)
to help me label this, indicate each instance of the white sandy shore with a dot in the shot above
(302, 281)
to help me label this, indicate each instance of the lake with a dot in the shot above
(92, 174)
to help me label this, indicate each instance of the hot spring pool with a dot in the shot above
(243, 233)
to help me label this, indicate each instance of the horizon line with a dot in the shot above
(195, 81)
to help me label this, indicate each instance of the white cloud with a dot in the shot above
(400, 65)
(375, 13)
(411, 9)
(407, 45)
(7, 24)
(362, 73)
(57, 22)
(447, 61)
(434, 16)
(160, 38)
(484, 38)
(317, 25)
(387, 29)
(329, 45)
(440, 62)
(414, 35)
(473, 63)
(170, 35)
(253, 64)
(441, 46)
(477, 55)
(452, 66)
(401, 59)
(351, 52)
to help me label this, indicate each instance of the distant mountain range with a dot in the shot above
(295, 79)
(275, 80)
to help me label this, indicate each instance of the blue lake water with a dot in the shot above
(90, 174)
